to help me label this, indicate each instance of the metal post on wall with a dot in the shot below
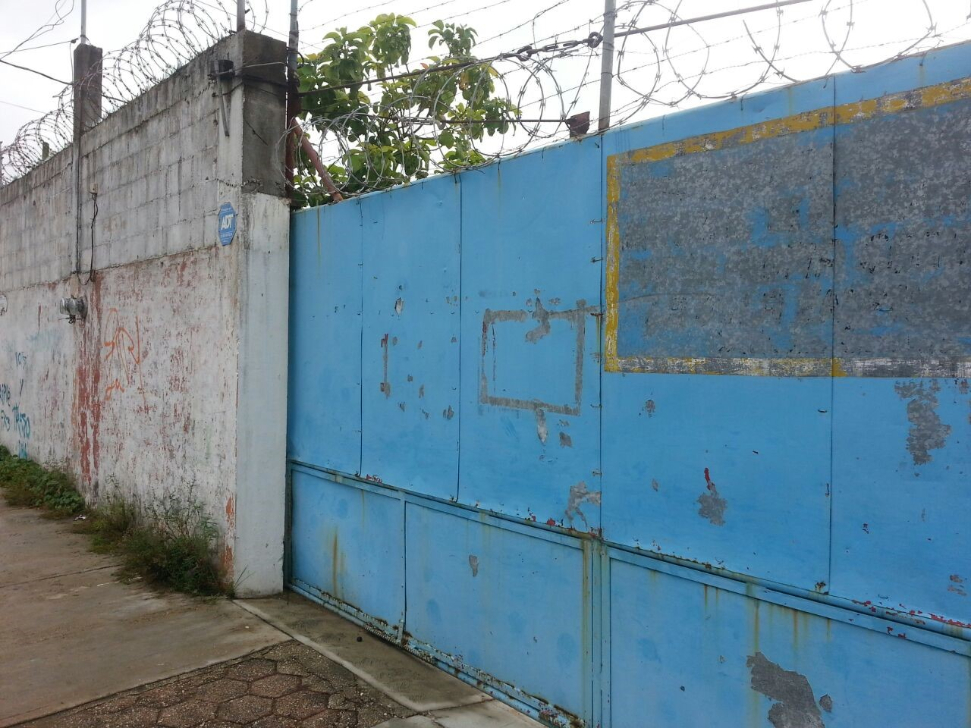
(240, 16)
(607, 64)
(293, 96)
(83, 38)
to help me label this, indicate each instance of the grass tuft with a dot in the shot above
(171, 543)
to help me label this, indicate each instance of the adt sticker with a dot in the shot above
(227, 223)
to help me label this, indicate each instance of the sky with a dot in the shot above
(697, 63)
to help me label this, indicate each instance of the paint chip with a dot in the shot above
(399, 306)
(795, 704)
(650, 407)
(927, 432)
(711, 505)
(541, 430)
(542, 317)
(578, 495)
(565, 440)
(655, 484)
(448, 413)
(474, 564)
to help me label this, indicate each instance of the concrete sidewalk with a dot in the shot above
(80, 649)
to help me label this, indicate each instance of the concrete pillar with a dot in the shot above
(87, 88)
(251, 179)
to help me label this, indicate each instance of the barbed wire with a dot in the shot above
(541, 86)
(176, 32)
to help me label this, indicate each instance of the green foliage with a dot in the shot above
(25, 483)
(170, 543)
(403, 128)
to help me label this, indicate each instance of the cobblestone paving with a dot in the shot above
(285, 686)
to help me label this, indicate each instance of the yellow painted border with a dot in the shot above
(851, 113)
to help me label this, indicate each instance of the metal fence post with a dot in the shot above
(607, 64)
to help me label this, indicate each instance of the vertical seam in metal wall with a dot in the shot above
(460, 402)
(360, 376)
(832, 378)
(597, 617)
(404, 568)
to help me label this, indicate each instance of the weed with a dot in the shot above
(25, 483)
(171, 542)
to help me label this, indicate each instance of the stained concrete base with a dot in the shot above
(445, 701)
(72, 633)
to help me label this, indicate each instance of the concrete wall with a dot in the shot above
(170, 381)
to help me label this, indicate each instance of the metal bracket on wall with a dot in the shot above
(221, 70)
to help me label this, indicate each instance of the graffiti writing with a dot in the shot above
(23, 423)
(4, 394)
(122, 356)
(4, 421)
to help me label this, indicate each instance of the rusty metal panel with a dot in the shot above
(410, 346)
(510, 609)
(324, 414)
(531, 272)
(690, 653)
(347, 548)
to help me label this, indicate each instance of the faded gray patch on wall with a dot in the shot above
(927, 432)
(795, 704)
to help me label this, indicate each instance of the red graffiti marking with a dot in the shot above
(123, 357)
(86, 408)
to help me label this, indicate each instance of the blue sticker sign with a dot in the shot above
(227, 223)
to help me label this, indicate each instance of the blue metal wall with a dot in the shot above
(666, 427)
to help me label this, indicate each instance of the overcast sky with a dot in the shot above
(882, 26)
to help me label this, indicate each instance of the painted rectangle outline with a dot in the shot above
(575, 315)
(844, 114)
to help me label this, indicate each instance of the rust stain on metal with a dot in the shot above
(956, 585)
(710, 504)
(795, 704)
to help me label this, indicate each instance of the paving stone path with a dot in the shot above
(285, 686)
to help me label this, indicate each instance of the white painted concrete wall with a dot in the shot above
(176, 380)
